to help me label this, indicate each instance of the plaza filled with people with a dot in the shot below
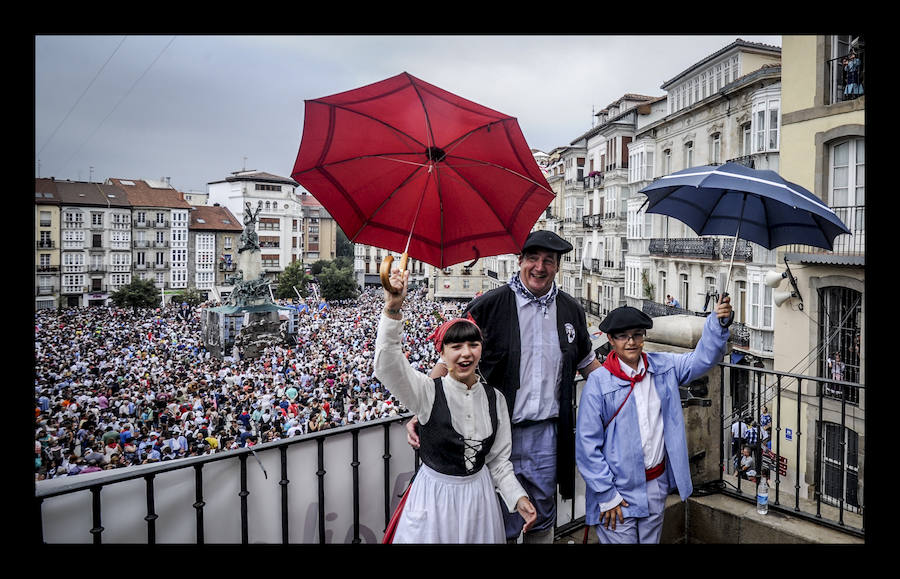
(119, 387)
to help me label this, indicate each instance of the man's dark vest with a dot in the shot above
(441, 447)
(496, 314)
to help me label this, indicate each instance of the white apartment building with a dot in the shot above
(606, 191)
(178, 274)
(95, 242)
(280, 213)
(566, 179)
(724, 108)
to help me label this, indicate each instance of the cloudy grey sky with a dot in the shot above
(196, 108)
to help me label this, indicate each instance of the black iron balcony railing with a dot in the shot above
(341, 485)
(845, 80)
(833, 470)
(592, 181)
(592, 222)
(701, 248)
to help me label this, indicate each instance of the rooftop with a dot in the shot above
(254, 175)
(143, 193)
(213, 218)
(737, 44)
(87, 193)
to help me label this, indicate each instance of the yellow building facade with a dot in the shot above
(820, 324)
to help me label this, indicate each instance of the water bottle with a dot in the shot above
(762, 497)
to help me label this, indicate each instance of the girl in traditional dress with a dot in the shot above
(464, 435)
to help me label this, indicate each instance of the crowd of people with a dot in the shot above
(116, 387)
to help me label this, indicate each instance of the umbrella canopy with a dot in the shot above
(409, 167)
(755, 205)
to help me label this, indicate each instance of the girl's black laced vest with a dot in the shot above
(442, 448)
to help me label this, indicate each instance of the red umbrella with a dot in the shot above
(409, 167)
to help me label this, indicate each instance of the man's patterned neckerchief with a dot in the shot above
(544, 301)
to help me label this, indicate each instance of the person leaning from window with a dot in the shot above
(631, 447)
(853, 86)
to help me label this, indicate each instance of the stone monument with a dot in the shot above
(248, 321)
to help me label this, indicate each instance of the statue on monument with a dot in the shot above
(250, 286)
(250, 299)
(249, 237)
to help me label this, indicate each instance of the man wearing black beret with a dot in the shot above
(631, 448)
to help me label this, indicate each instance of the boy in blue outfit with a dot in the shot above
(631, 448)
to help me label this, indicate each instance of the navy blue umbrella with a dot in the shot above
(751, 204)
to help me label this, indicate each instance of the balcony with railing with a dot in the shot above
(823, 485)
(845, 77)
(848, 249)
(767, 160)
(701, 248)
(593, 180)
(592, 222)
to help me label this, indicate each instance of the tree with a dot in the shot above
(293, 276)
(140, 293)
(316, 267)
(344, 262)
(336, 282)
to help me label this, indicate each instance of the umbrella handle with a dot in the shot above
(385, 270)
(725, 322)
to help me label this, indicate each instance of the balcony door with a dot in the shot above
(840, 466)
(847, 191)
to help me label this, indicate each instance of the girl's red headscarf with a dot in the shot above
(438, 334)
